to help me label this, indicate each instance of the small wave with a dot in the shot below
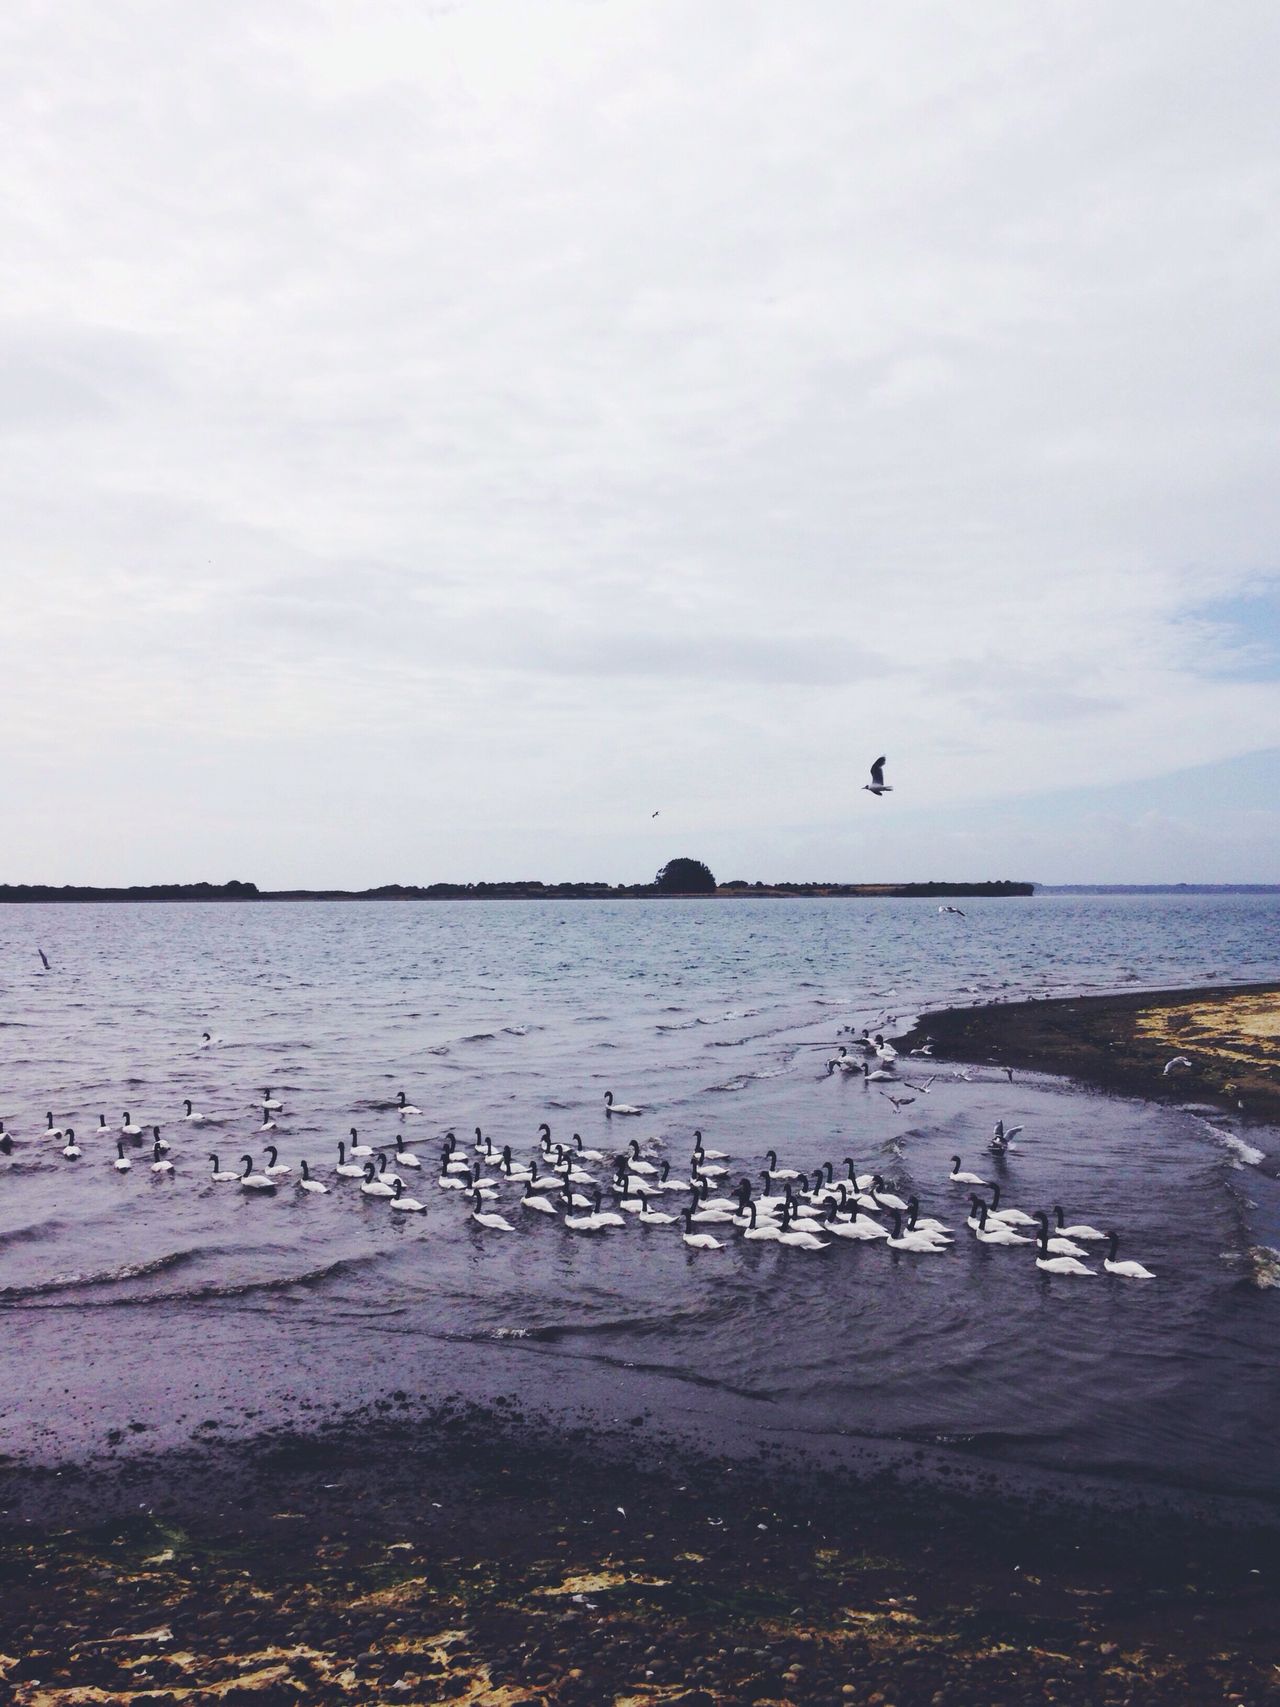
(739, 1083)
(480, 1037)
(1247, 1155)
(104, 1277)
(438, 1049)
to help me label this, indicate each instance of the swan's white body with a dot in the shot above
(611, 1107)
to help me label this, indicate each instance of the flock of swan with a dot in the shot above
(591, 1192)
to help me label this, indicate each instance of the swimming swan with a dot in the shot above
(1126, 1270)
(1058, 1265)
(489, 1217)
(221, 1175)
(306, 1183)
(1078, 1232)
(249, 1181)
(611, 1107)
(406, 1205)
(699, 1241)
(962, 1178)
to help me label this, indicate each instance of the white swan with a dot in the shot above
(1127, 1270)
(306, 1183)
(876, 1077)
(844, 1061)
(221, 1175)
(249, 1181)
(962, 1178)
(699, 1241)
(406, 1205)
(611, 1107)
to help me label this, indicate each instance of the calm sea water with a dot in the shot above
(171, 1300)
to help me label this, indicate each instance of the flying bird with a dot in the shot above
(959, 911)
(898, 1102)
(653, 814)
(1179, 1063)
(877, 785)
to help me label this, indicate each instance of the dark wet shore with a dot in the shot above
(467, 1556)
(1229, 1035)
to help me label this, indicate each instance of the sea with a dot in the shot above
(151, 1306)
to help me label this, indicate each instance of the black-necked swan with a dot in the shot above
(160, 1163)
(392, 1178)
(534, 1199)
(715, 1155)
(249, 1181)
(122, 1164)
(962, 1178)
(275, 1169)
(1127, 1270)
(926, 1223)
(639, 1166)
(192, 1115)
(221, 1175)
(372, 1186)
(1080, 1231)
(843, 1060)
(348, 1170)
(489, 1217)
(406, 1205)
(712, 1170)
(71, 1150)
(405, 1106)
(1057, 1246)
(775, 1172)
(799, 1237)
(52, 1131)
(605, 1217)
(454, 1179)
(511, 1170)
(405, 1158)
(653, 1217)
(860, 1227)
(764, 1231)
(306, 1183)
(104, 1131)
(611, 1107)
(885, 1199)
(157, 1139)
(993, 1232)
(357, 1148)
(268, 1101)
(127, 1127)
(1057, 1265)
(861, 1181)
(925, 1243)
(585, 1155)
(665, 1182)
(699, 1241)
(268, 1125)
(1015, 1217)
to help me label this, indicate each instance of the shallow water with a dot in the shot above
(168, 1299)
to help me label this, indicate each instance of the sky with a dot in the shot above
(434, 437)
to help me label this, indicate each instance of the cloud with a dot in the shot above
(494, 413)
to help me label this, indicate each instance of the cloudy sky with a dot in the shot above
(436, 436)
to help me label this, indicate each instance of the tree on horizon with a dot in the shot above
(685, 877)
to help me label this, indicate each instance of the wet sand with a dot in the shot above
(1230, 1035)
(468, 1556)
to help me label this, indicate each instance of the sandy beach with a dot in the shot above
(1230, 1036)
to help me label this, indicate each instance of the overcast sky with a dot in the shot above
(433, 437)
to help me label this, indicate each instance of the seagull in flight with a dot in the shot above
(958, 910)
(877, 785)
(898, 1102)
(1179, 1063)
(653, 814)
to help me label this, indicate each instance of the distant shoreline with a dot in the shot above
(249, 892)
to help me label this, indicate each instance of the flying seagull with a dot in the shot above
(958, 910)
(653, 814)
(877, 785)
(1178, 1064)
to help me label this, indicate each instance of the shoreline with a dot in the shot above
(467, 1554)
(39, 894)
(1122, 1042)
